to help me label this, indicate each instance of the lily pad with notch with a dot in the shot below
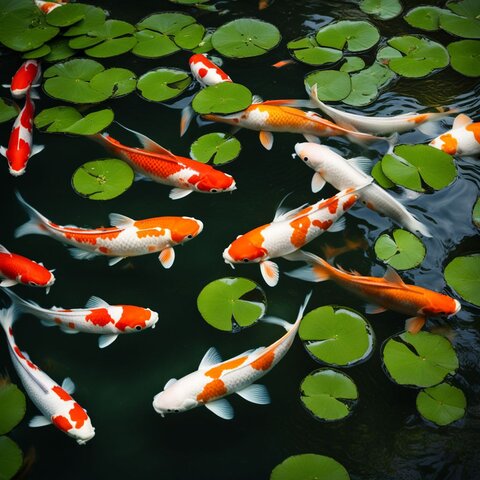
(224, 98)
(382, 9)
(379, 176)
(308, 51)
(352, 64)
(465, 57)
(402, 250)
(332, 85)
(59, 50)
(93, 18)
(216, 148)
(424, 17)
(463, 275)
(309, 466)
(163, 84)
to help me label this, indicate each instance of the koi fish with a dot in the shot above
(275, 116)
(20, 148)
(341, 173)
(17, 269)
(126, 237)
(25, 79)
(54, 401)
(47, 7)
(160, 165)
(216, 379)
(289, 232)
(462, 139)
(387, 293)
(97, 317)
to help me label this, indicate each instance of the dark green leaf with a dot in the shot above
(169, 23)
(11, 458)
(223, 98)
(382, 9)
(163, 84)
(356, 36)
(309, 466)
(217, 148)
(463, 275)
(12, 407)
(332, 85)
(465, 57)
(8, 109)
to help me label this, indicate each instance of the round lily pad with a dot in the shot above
(309, 466)
(153, 44)
(328, 395)
(475, 213)
(37, 53)
(356, 36)
(379, 176)
(8, 109)
(424, 17)
(93, 18)
(337, 336)
(66, 16)
(465, 57)
(402, 250)
(112, 47)
(382, 9)
(420, 360)
(163, 84)
(59, 50)
(12, 406)
(442, 404)
(352, 64)
(168, 23)
(11, 458)
(102, 179)
(413, 164)
(223, 98)
(117, 81)
(463, 275)
(205, 44)
(245, 37)
(332, 85)
(307, 50)
(216, 148)
(230, 304)
(189, 37)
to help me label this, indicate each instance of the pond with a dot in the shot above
(383, 436)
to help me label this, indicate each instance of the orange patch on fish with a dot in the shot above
(179, 227)
(57, 320)
(62, 423)
(104, 249)
(323, 225)
(71, 325)
(214, 389)
(264, 362)
(150, 233)
(78, 415)
(133, 316)
(349, 202)
(300, 230)
(333, 205)
(92, 237)
(475, 129)
(450, 143)
(99, 317)
(248, 246)
(419, 118)
(217, 371)
(62, 393)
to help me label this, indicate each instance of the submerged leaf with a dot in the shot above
(11, 458)
(463, 275)
(12, 407)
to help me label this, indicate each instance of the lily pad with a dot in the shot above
(216, 148)
(337, 336)
(363, 90)
(163, 84)
(117, 81)
(102, 179)
(37, 53)
(230, 304)
(379, 176)
(420, 360)
(413, 164)
(467, 24)
(307, 50)
(332, 85)
(245, 37)
(66, 16)
(402, 250)
(382, 9)
(59, 50)
(205, 44)
(475, 213)
(424, 17)
(12, 406)
(463, 275)
(309, 466)
(11, 458)
(168, 23)
(355, 36)
(223, 98)
(93, 17)
(465, 57)
(328, 395)
(443, 404)
(352, 64)
(8, 109)
(189, 37)
(153, 44)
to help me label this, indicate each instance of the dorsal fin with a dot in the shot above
(257, 99)
(211, 357)
(461, 120)
(96, 302)
(170, 383)
(362, 164)
(3, 249)
(282, 213)
(392, 276)
(119, 220)
(68, 385)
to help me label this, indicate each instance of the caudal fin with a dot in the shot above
(18, 304)
(36, 224)
(8, 317)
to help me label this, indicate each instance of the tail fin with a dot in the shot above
(18, 304)
(417, 226)
(283, 323)
(186, 119)
(320, 271)
(7, 318)
(36, 223)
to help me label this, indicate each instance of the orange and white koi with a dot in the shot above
(341, 173)
(160, 165)
(98, 317)
(387, 293)
(462, 139)
(25, 79)
(126, 238)
(20, 148)
(47, 7)
(17, 269)
(216, 379)
(54, 401)
(289, 232)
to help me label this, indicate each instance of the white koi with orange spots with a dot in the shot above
(54, 401)
(97, 317)
(289, 232)
(47, 7)
(216, 379)
(126, 238)
(462, 139)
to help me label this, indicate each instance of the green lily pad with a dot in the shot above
(153, 44)
(70, 120)
(443, 404)
(413, 164)
(352, 64)
(169, 23)
(309, 466)
(189, 37)
(117, 81)
(475, 213)
(93, 18)
(328, 395)
(402, 250)
(337, 335)
(66, 16)
(8, 109)
(163, 84)
(382, 9)
(463, 275)
(356, 36)
(421, 56)
(421, 360)
(230, 304)
(307, 50)
(112, 48)
(59, 50)
(216, 148)
(379, 176)
(465, 57)
(205, 44)
(103, 179)
(332, 85)
(37, 53)
(11, 458)
(12, 407)
(223, 98)
(463, 20)
(424, 17)
(245, 37)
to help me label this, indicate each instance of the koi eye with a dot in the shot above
(33, 284)
(245, 260)
(189, 236)
(138, 327)
(305, 159)
(176, 411)
(214, 190)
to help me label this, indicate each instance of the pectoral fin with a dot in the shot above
(270, 273)
(8, 283)
(39, 421)
(415, 324)
(221, 408)
(106, 340)
(372, 309)
(318, 182)
(256, 394)
(167, 257)
(266, 139)
(177, 193)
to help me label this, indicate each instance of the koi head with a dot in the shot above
(186, 228)
(39, 276)
(136, 319)
(84, 434)
(312, 154)
(17, 160)
(245, 249)
(206, 72)
(173, 400)
(440, 305)
(215, 181)
(76, 424)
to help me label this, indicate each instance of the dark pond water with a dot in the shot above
(384, 439)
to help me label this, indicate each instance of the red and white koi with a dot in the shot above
(97, 317)
(160, 165)
(54, 401)
(341, 173)
(216, 379)
(289, 232)
(25, 78)
(387, 293)
(462, 139)
(20, 148)
(47, 7)
(126, 238)
(17, 269)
